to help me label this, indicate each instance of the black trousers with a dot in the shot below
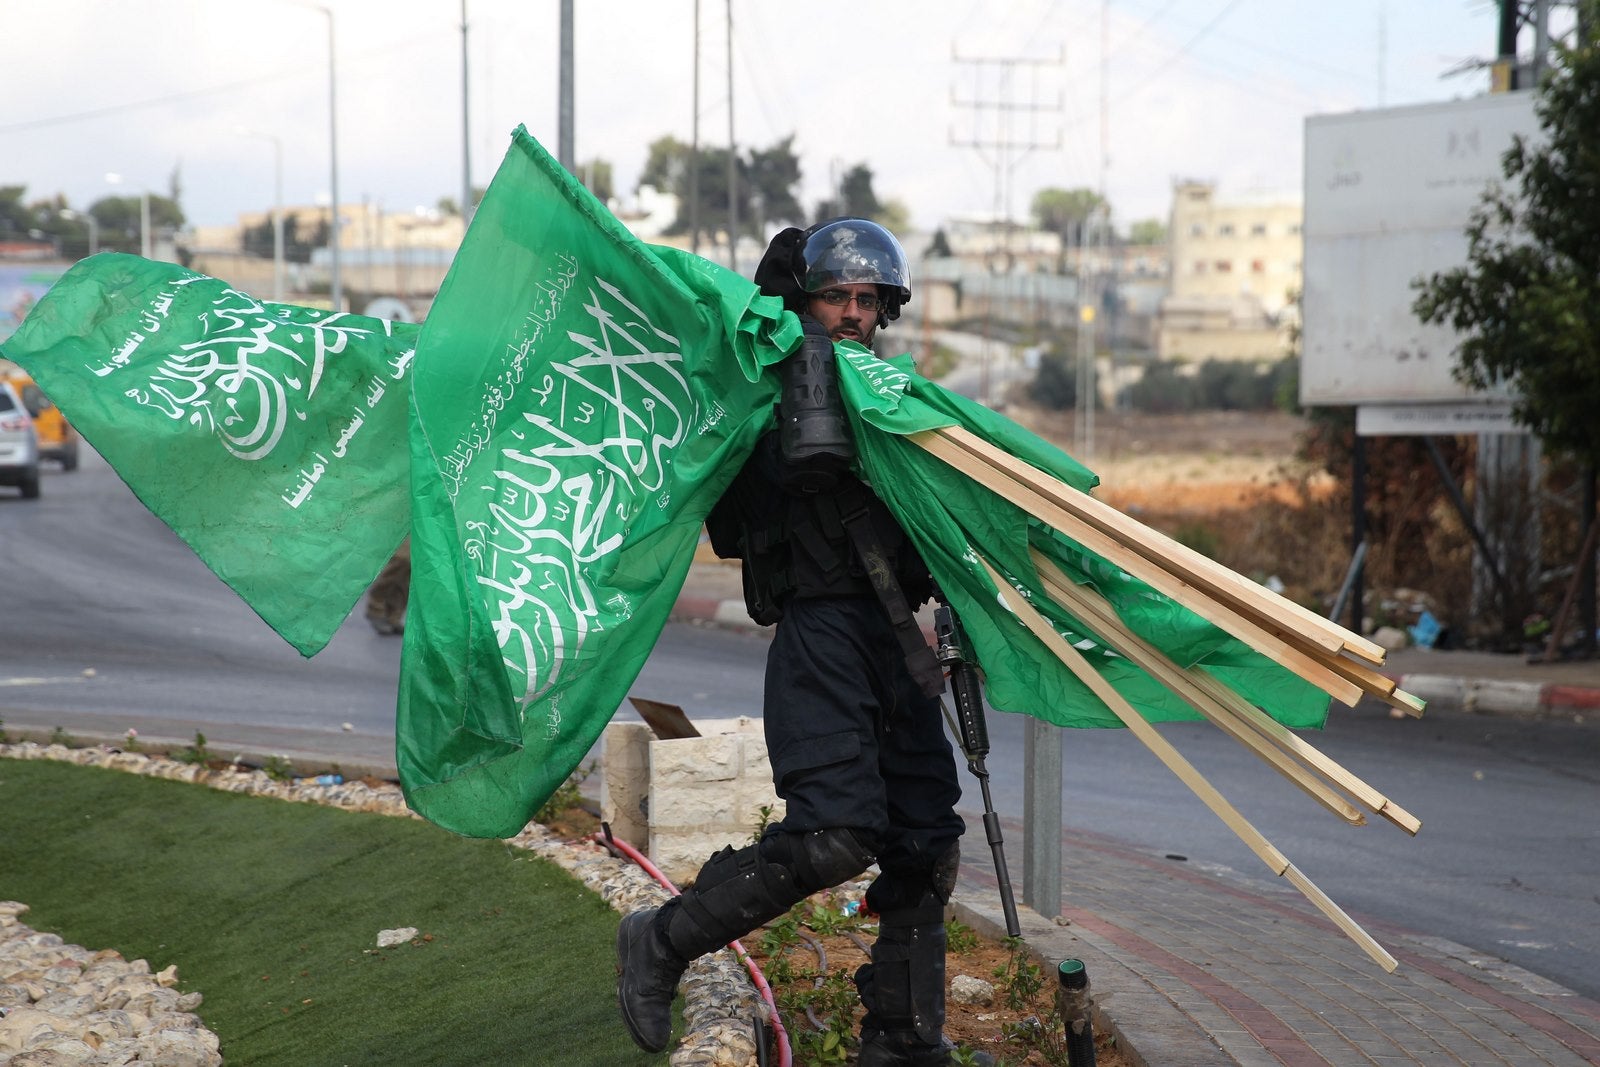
(853, 741)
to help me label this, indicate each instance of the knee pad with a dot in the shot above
(819, 859)
(737, 891)
(918, 893)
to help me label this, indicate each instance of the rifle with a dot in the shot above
(966, 689)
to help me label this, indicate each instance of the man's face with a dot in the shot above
(847, 320)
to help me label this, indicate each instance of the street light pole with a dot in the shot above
(336, 289)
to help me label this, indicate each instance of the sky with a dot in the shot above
(1121, 95)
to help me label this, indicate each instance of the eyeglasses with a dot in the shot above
(841, 298)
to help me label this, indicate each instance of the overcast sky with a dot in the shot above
(1211, 89)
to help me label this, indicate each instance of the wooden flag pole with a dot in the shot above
(1365, 794)
(1224, 616)
(1315, 657)
(1088, 607)
(1213, 688)
(1182, 560)
(1186, 772)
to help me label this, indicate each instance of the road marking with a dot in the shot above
(39, 681)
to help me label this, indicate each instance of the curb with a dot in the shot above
(1488, 696)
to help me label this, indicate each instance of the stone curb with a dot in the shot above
(1493, 696)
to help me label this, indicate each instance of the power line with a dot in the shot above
(194, 94)
(1179, 54)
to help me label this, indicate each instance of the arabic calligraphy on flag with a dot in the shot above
(270, 437)
(581, 402)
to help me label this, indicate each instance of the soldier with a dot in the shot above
(852, 716)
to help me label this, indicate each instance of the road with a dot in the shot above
(108, 622)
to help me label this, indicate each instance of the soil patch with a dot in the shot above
(810, 957)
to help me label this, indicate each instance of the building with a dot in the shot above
(1235, 277)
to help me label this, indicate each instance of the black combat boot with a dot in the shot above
(903, 992)
(648, 969)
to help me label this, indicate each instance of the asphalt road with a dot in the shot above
(108, 622)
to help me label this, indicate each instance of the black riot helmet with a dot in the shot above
(848, 250)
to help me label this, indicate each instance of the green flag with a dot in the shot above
(271, 438)
(580, 402)
(951, 516)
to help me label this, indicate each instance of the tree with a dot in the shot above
(768, 175)
(854, 196)
(666, 166)
(1147, 232)
(1527, 302)
(773, 174)
(1064, 211)
(596, 175)
(119, 219)
(15, 220)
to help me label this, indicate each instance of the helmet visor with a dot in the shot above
(848, 251)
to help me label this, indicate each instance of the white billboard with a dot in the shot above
(1388, 195)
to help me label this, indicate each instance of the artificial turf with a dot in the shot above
(272, 910)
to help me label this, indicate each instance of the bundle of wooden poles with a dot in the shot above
(1341, 663)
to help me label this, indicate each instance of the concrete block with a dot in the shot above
(684, 799)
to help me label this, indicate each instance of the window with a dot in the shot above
(1199, 266)
(1224, 266)
(1258, 229)
(1258, 266)
(1196, 229)
(1225, 230)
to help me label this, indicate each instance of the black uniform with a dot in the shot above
(854, 732)
(853, 740)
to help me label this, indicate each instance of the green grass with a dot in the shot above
(272, 910)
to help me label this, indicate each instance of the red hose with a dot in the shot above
(782, 1035)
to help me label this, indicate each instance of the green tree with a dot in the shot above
(768, 175)
(1527, 303)
(1147, 232)
(1063, 211)
(855, 196)
(773, 173)
(15, 219)
(596, 175)
(119, 219)
(666, 166)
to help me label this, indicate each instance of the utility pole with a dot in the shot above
(694, 145)
(1002, 149)
(466, 130)
(566, 153)
(733, 161)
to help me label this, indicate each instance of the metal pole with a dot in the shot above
(144, 224)
(1586, 597)
(565, 152)
(733, 161)
(694, 144)
(1358, 531)
(466, 128)
(335, 284)
(1041, 817)
(277, 220)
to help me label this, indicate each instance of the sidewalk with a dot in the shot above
(1193, 971)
